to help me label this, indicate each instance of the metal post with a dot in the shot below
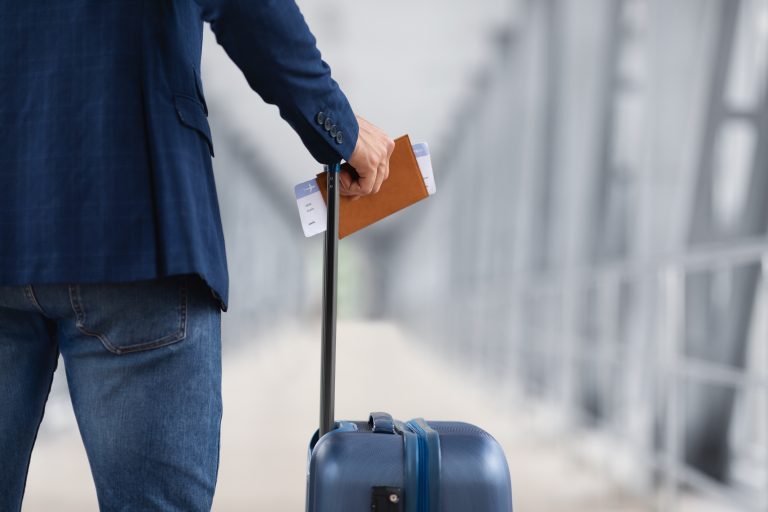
(764, 375)
(673, 301)
(608, 334)
(328, 369)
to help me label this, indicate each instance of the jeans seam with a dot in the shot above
(178, 335)
(30, 294)
(75, 301)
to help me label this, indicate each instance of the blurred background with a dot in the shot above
(589, 283)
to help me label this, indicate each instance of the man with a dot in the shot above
(111, 248)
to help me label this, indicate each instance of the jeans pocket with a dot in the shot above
(135, 316)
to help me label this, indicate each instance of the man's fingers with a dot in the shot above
(362, 185)
(370, 158)
(367, 184)
(350, 185)
(367, 180)
(390, 148)
(380, 177)
(347, 183)
(386, 168)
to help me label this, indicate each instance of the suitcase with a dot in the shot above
(387, 465)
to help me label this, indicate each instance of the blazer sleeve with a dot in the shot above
(273, 46)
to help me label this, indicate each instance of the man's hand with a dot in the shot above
(370, 159)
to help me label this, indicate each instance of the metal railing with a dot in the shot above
(603, 348)
(670, 369)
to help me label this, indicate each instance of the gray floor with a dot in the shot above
(270, 393)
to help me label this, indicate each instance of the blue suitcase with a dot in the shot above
(386, 465)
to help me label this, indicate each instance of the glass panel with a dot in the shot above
(749, 60)
(709, 444)
(734, 155)
(749, 435)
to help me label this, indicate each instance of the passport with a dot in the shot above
(410, 180)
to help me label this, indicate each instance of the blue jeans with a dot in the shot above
(143, 365)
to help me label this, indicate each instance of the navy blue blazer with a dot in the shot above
(105, 150)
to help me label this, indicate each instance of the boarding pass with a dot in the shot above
(312, 209)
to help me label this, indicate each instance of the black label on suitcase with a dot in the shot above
(387, 499)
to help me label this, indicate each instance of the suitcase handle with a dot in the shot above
(381, 422)
(330, 260)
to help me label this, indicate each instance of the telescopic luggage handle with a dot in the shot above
(330, 260)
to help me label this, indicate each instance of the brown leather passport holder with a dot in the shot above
(404, 187)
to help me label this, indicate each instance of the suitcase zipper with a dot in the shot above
(428, 465)
(423, 465)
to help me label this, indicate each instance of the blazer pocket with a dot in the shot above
(192, 114)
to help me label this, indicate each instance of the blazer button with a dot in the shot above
(328, 123)
(333, 131)
(339, 137)
(320, 117)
